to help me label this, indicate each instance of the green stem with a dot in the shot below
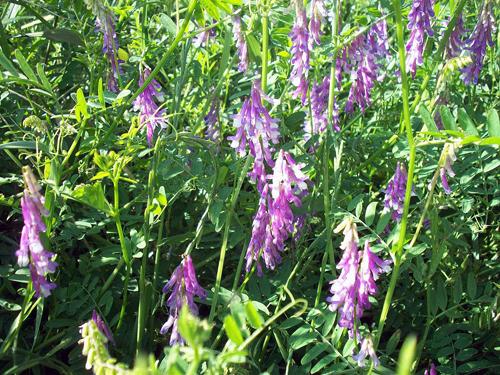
(234, 198)
(412, 150)
(265, 47)
(74, 144)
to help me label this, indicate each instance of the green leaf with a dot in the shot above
(427, 119)
(301, 337)
(253, 315)
(406, 356)
(211, 8)
(93, 196)
(81, 106)
(466, 123)
(254, 46)
(325, 361)
(7, 64)
(64, 35)
(26, 69)
(315, 351)
(442, 296)
(393, 342)
(471, 285)
(448, 120)
(168, 24)
(493, 123)
(29, 145)
(457, 289)
(382, 222)
(232, 330)
(43, 78)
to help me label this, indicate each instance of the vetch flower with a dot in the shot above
(419, 24)
(241, 44)
(300, 54)
(31, 251)
(103, 327)
(477, 42)
(256, 129)
(455, 43)
(317, 121)
(150, 114)
(183, 286)
(449, 157)
(363, 79)
(365, 351)
(395, 193)
(318, 13)
(203, 37)
(212, 131)
(274, 222)
(431, 370)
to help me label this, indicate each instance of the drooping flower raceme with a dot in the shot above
(419, 24)
(317, 121)
(395, 193)
(300, 55)
(477, 43)
(356, 282)
(363, 79)
(150, 114)
(212, 131)
(274, 221)
(456, 43)
(241, 44)
(365, 351)
(183, 286)
(256, 129)
(31, 251)
(318, 14)
(449, 157)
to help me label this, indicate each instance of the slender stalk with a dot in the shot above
(412, 150)
(234, 198)
(265, 47)
(75, 143)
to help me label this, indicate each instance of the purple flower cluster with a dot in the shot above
(419, 24)
(212, 131)
(31, 251)
(150, 115)
(431, 370)
(318, 13)
(257, 129)
(274, 221)
(356, 282)
(395, 192)
(241, 44)
(102, 326)
(449, 159)
(365, 351)
(477, 43)
(360, 62)
(300, 55)
(203, 37)
(455, 43)
(106, 25)
(317, 121)
(183, 287)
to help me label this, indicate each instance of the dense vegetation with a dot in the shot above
(260, 186)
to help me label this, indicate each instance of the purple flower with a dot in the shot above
(356, 282)
(369, 270)
(274, 221)
(183, 287)
(212, 131)
(241, 44)
(256, 129)
(300, 55)
(363, 79)
(431, 371)
(203, 37)
(318, 13)
(365, 351)
(344, 288)
(31, 249)
(317, 121)
(419, 24)
(477, 42)
(102, 326)
(106, 25)
(395, 193)
(455, 43)
(150, 115)
(449, 159)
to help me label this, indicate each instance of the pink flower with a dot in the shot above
(300, 55)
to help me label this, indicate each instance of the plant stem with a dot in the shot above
(265, 47)
(234, 198)
(411, 145)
